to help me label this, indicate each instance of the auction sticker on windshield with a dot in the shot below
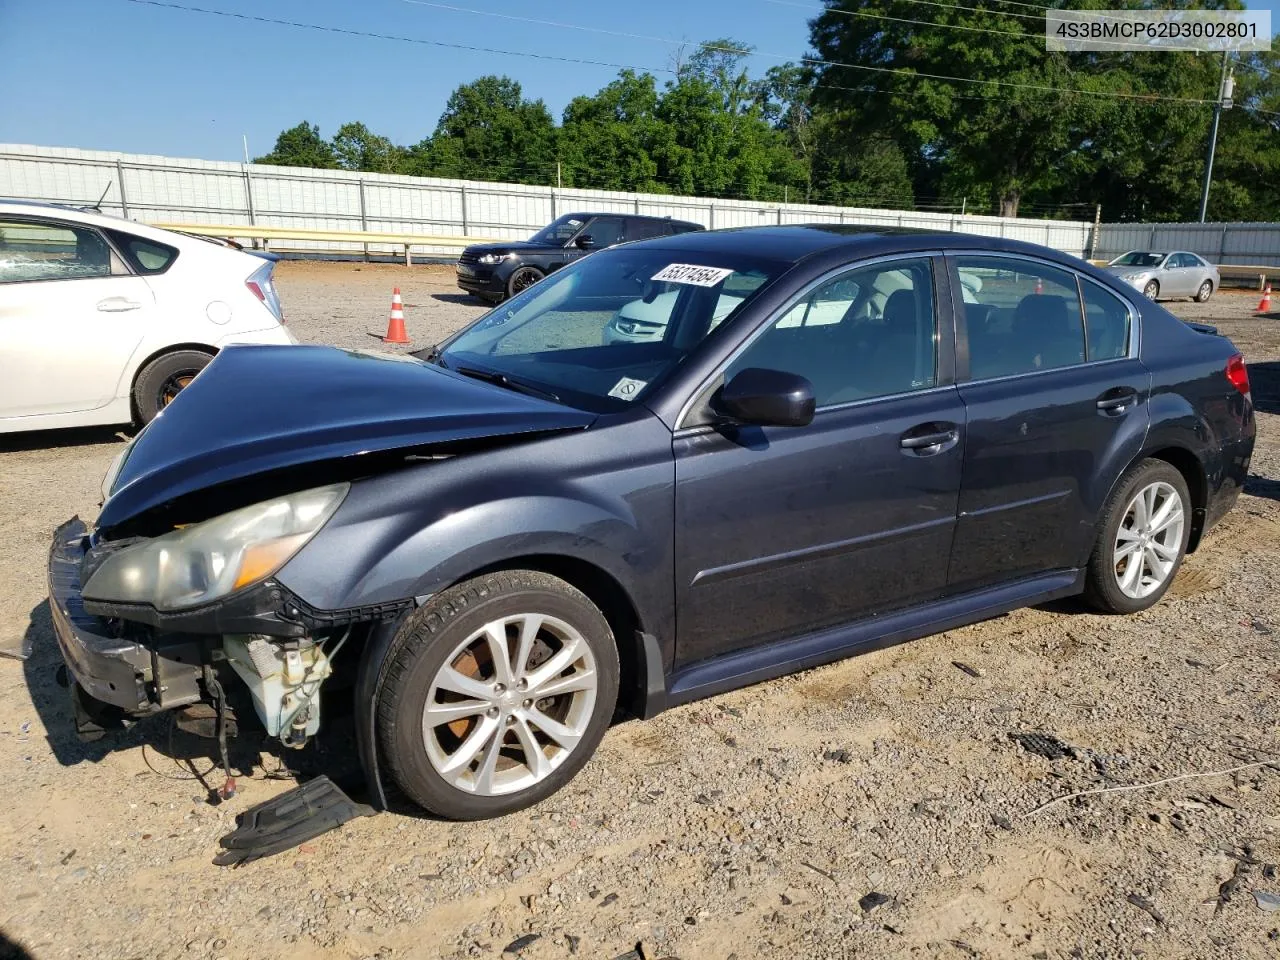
(692, 274)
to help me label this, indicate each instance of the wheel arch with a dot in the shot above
(1196, 476)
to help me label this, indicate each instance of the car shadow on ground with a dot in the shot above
(464, 298)
(1264, 381)
(174, 754)
(73, 437)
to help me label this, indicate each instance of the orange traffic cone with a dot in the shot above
(1264, 305)
(395, 326)
(1039, 285)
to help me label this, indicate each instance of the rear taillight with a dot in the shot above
(260, 285)
(1238, 374)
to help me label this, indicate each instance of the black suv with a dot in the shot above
(495, 271)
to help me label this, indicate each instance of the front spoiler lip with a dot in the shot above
(109, 669)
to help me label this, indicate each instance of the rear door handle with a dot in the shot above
(118, 305)
(1117, 401)
(929, 439)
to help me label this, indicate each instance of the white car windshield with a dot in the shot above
(561, 337)
(1139, 258)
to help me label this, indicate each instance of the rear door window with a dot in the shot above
(645, 229)
(1025, 318)
(605, 231)
(32, 250)
(1106, 319)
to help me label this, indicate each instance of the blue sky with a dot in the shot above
(119, 75)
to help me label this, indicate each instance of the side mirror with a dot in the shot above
(767, 398)
(584, 242)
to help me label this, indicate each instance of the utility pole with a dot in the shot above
(1225, 87)
(245, 139)
(558, 184)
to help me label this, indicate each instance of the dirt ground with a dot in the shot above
(876, 808)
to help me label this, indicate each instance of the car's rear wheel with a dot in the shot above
(522, 279)
(1205, 291)
(163, 379)
(1145, 529)
(497, 692)
(1151, 290)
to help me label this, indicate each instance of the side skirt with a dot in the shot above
(742, 668)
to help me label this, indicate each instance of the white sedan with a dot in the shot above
(104, 320)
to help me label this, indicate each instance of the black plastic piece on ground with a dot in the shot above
(283, 822)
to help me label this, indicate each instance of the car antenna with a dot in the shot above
(98, 205)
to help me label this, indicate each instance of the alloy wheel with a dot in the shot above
(523, 278)
(1206, 289)
(1149, 540)
(1151, 290)
(509, 704)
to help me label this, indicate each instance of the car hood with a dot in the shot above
(260, 409)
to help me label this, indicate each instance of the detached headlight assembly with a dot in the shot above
(207, 561)
(491, 258)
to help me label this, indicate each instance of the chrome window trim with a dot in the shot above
(1135, 317)
(790, 304)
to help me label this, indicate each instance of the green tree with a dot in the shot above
(607, 140)
(301, 146)
(356, 148)
(489, 131)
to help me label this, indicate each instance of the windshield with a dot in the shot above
(559, 231)
(600, 333)
(1139, 258)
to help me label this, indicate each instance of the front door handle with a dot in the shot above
(1117, 401)
(118, 305)
(929, 439)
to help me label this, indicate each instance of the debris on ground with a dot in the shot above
(1142, 903)
(974, 672)
(839, 756)
(1044, 745)
(1266, 900)
(519, 943)
(872, 900)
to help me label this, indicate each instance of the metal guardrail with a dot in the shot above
(364, 237)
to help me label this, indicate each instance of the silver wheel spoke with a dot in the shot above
(1164, 551)
(578, 680)
(562, 660)
(455, 682)
(438, 714)
(567, 737)
(461, 758)
(496, 635)
(1132, 575)
(484, 775)
(1175, 516)
(535, 758)
(528, 634)
(1156, 564)
(1127, 551)
(1164, 516)
(1128, 533)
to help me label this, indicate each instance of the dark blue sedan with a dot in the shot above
(825, 441)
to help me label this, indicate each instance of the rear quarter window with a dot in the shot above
(145, 256)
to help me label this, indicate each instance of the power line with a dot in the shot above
(894, 71)
(385, 36)
(811, 61)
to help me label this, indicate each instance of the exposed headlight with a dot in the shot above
(1133, 277)
(209, 560)
(492, 258)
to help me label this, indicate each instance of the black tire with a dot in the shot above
(522, 278)
(163, 379)
(1102, 590)
(1205, 291)
(1152, 290)
(431, 636)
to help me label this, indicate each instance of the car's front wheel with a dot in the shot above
(497, 692)
(163, 379)
(1205, 291)
(1145, 528)
(523, 278)
(1151, 290)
